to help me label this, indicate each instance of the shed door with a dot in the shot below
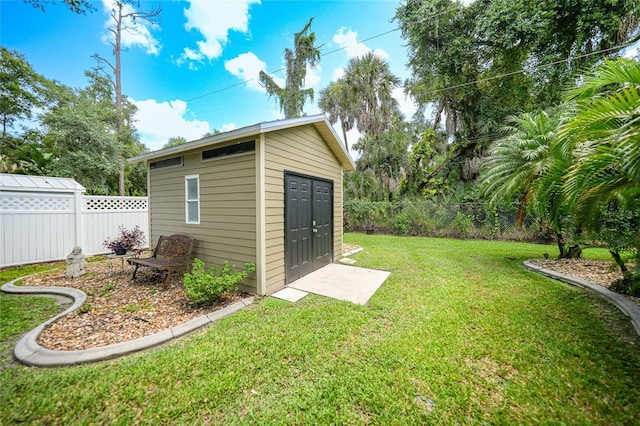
(308, 225)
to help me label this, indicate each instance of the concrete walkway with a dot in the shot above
(627, 307)
(337, 281)
(29, 352)
(342, 282)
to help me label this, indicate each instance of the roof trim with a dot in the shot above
(31, 183)
(320, 121)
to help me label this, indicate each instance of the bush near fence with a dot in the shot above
(429, 219)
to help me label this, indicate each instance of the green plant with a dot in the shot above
(401, 223)
(106, 290)
(362, 214)
(85, 308)
(127, 240)
(134, 307)
(204, 287)
(462, 224)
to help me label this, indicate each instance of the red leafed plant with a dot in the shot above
(128, 240)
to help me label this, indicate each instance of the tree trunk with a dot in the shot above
(619, 262)
(560, 240)
(344, 134)
(118, 75)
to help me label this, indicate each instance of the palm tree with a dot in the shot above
(362, 185)
(528, 162)
(604, 135)
(386, 154)
(363, 97)
(334, 103)
(369, 84)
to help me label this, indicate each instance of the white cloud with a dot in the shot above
(214, 19)
(134, 33)
(313, 76)
(338, 73)
(228, 127)
(247, 67)
(349, 42)
(406, 104)
(158, 121)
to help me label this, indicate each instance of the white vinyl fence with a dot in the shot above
(42, 219)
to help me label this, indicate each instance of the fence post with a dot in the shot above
(80, 237)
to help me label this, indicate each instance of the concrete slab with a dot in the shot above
(342, 282)
(289, 294)
(347, 261)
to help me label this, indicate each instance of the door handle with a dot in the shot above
(315, 229)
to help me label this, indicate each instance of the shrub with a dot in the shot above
(361, 214)
(204, 287)
(401, 223)
(462, 224)
(127, 240)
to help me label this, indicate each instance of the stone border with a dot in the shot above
(29, 352)
(625, 305)
(354, 251)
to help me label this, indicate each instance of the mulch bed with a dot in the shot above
(117, 308)
(601, 272)
(123, 310)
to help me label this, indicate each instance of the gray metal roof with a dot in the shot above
(38, 183)
(320, 121)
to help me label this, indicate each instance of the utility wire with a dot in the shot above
(241, 83)
(481, 80)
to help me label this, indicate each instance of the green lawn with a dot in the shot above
(460, 333)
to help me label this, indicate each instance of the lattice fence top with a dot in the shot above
(114, 203)
(20, 202)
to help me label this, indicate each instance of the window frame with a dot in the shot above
(167, 162)
(189, 202)
(228, 151)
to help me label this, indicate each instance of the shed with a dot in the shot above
(39, 218)
(270, 194)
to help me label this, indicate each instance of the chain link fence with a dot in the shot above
(455, 220)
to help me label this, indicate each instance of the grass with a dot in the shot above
(19, 314)
(8, 274)
(460, 333)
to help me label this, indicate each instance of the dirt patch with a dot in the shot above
(119, 309)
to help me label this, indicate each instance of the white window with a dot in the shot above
(192, 198)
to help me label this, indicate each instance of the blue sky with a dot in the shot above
(186, 74)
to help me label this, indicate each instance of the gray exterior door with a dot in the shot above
(308, 225)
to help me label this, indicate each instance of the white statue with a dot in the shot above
(75, 260)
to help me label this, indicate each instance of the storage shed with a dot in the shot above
(269, 194)
(39, 218)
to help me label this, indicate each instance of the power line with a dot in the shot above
(522, 70)
(481, 80)
(241, 83)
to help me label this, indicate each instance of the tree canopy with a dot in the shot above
(76, 6)
(481, 63)
(362, 97)
(51, 129)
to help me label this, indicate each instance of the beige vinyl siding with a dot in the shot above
(299, 150)
(227, 227)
